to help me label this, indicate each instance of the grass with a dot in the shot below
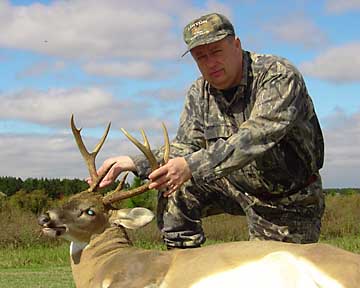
(26, 261)
(34, 257)
(36, 267)
(350, 243)
(42, 277)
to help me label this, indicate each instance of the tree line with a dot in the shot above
(54, 188)
(37, 195)
(58, 188)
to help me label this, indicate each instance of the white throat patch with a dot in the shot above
(76, 247)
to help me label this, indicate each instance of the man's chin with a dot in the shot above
(220, 85)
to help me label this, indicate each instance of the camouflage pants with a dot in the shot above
(296, 218)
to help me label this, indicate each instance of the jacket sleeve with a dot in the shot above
(279, 99)
(190, 134)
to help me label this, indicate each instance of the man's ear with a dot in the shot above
(237, 42)
(132, 218)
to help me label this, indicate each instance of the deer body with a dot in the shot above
(102, 255)
(109, 260)
(265, 264)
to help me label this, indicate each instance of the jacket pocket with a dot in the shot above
(212, 133)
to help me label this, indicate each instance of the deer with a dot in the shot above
(102, 255)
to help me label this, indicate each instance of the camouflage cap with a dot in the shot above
(207, 29)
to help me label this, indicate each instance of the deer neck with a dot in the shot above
(111, 240)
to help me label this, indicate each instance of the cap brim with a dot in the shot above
(187, 51)
(204, 42)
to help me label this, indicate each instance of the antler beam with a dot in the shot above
(90, 157)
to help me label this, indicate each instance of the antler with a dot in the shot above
(118, 193)
(90, 157)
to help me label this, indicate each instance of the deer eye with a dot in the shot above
(90, 212)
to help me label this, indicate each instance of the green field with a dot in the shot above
(28, 261)
(43, 277)
(39, 266)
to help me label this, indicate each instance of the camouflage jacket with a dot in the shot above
(266, 138)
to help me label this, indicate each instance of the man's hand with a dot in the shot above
(122, 163)
(170, 176)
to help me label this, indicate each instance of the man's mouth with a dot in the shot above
(217, 73)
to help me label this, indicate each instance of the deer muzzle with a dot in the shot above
(49, 228)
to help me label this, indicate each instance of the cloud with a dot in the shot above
(339, 64)
(336, 6)
(92, 29)
(164, 94)
(342, 153)
(53, 156)
(42, 67)
(57, 156)
(190, 12)
(298, 30)
(134, 69)
(94, 106)
(107, 38)
(53, 105)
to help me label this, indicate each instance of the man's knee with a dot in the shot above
(183, 239)
(179, 220)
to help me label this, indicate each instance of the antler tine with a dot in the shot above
(110, 194)
(167, 143)
(122, 182)
(118, 194)
(95, 183)
(144, 148)
(89, 157)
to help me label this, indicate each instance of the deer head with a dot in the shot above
(89, 212)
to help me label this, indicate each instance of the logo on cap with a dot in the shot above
(207, 29)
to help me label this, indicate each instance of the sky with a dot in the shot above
(120, 61)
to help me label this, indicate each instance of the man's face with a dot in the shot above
(220, 62)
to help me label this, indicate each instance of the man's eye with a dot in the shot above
(217, 52)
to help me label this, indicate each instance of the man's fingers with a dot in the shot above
(159, 183)
(160, 187)
(104, 183)
(170, 191)
(158, 172)
(109, 178)
(88, 180)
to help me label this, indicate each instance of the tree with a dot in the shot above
(35, 201)
(9, 185)
(147, 200)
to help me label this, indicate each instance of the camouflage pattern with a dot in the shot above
(263, 143)
(295, 219)
(207, 29)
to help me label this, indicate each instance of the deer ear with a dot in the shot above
(132, 218)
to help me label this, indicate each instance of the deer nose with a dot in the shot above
(44, 219)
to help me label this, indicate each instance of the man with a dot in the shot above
(249, 143)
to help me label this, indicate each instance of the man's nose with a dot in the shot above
(210, 61)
